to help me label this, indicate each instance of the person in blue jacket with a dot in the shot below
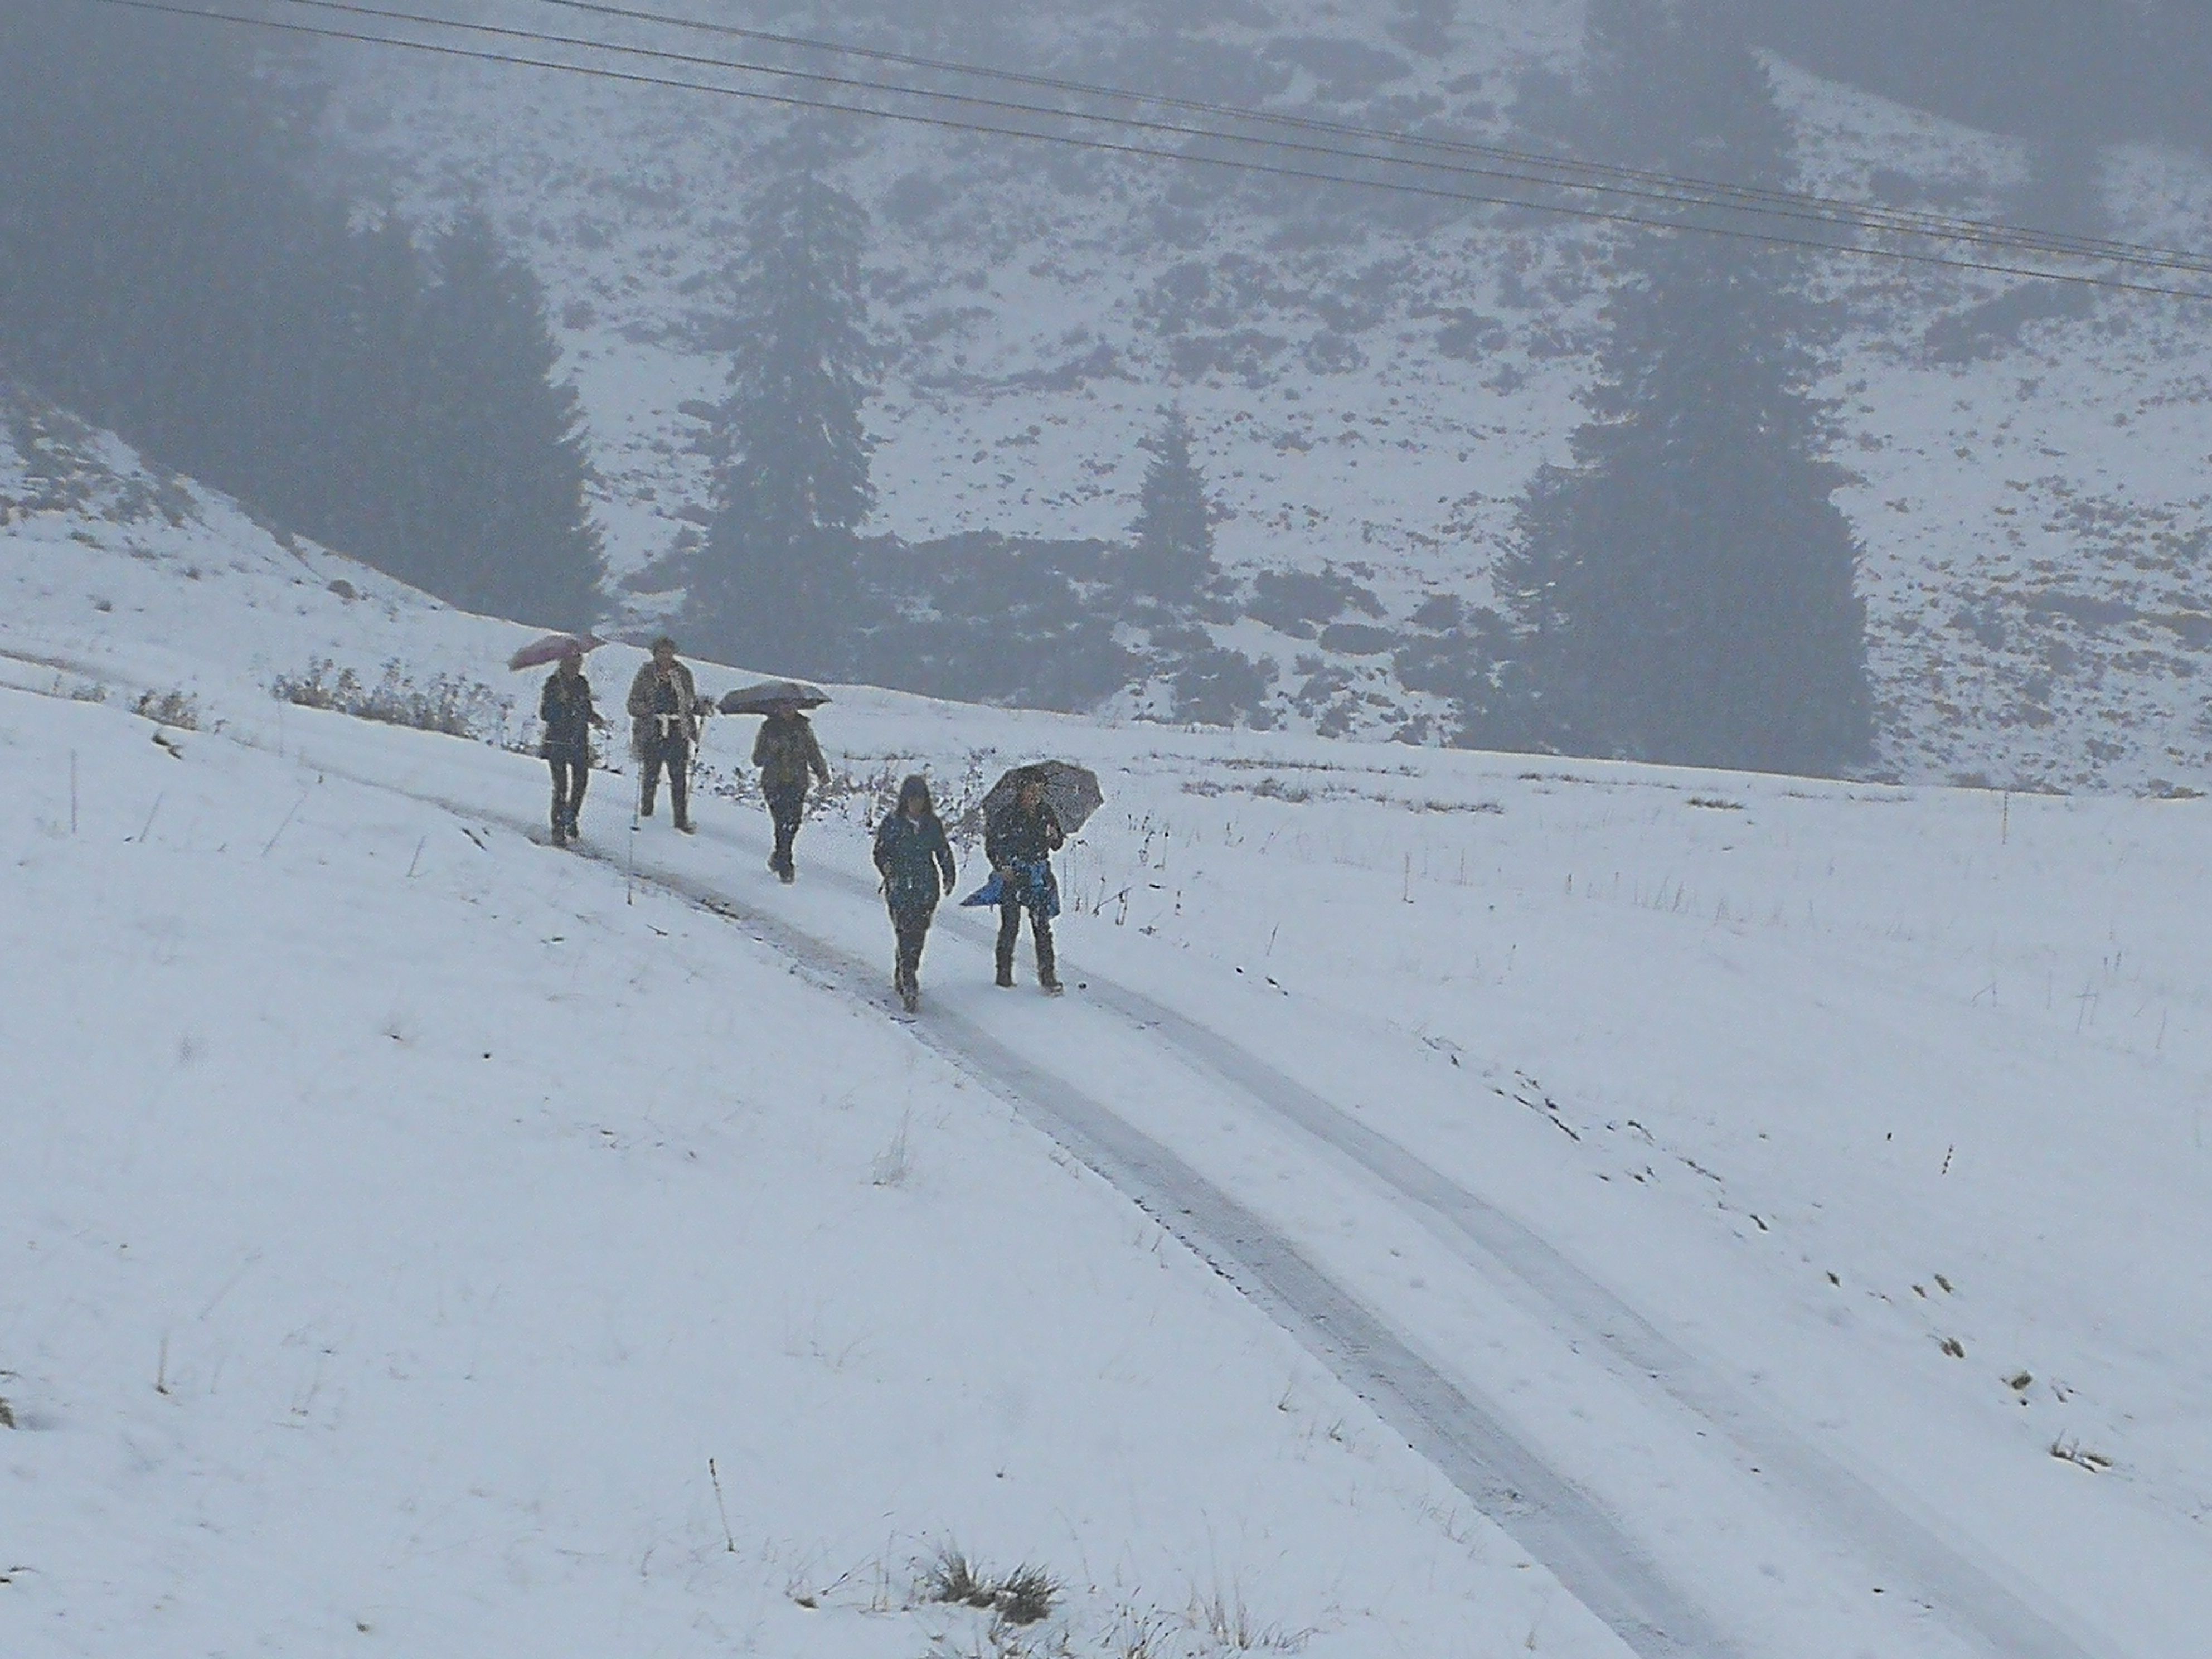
(1019, 839)
(916, 862)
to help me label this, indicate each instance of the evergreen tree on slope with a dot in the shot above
(776, 585)
(1685, 589)
(168, 269)
(1173, 536)
(365, 388)
(504, 527)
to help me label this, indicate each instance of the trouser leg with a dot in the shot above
(648, 783)
(786, 807)
(676, 754)
(568, 776)
(1040, 931)
(579, 774)
(912, 927)
(1009, 930)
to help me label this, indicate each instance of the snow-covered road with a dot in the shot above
(1647, 1540)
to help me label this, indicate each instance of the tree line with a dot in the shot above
(1682, 590)
(170, 269)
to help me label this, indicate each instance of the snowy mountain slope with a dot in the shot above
(103, 547)
(1373, 383)
(405, 1216)
(405, 1223)
(1877, 1113)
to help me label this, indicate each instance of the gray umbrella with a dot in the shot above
(770, 696)
(1069, 790)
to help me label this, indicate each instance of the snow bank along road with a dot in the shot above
(1675, 1507)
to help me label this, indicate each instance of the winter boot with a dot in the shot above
(1006, 966)
(560, 832)
(1047, 966)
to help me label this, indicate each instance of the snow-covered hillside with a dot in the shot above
(1775, 1213)
(404, 1219)
(1373, 381)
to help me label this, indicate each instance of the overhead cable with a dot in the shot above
(1577, 173)
(1153, 151)
(1826, 210)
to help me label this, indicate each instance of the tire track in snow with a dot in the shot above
(1463, 1435)
(1541, 1281)
(1968, 1596)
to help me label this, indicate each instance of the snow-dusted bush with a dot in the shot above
(446, 702)
(174, 708)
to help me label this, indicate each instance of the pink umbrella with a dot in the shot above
(552, 648)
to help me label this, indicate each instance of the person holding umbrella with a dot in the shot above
(1019, 838)
(664, 712)
(913, 854)
(565, 710)
(787, 754)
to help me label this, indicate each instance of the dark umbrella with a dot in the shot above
(552, 648)
(1069, 790)
(770, 696)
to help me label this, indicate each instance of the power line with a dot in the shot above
(793, 101)
(1691, 193)
(1584, 174)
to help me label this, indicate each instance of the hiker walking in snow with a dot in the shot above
(787, 753)
(664, 712)
(565, 710)
(916, 862)
(1019, 841)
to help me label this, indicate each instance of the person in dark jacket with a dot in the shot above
(565, 710)
(787, 753)
(1019, 841)
(664, 712)
(916, 862)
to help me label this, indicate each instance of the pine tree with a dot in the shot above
(777, 582)
(1172, 552)
(505, 526)
(167, 270)
(363, 388)
(1685, 589)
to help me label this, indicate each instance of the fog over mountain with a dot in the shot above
(1372, 383)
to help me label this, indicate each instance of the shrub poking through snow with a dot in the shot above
(953, 1580)
(1026, 1595)
(1223, 1620)
(170, 708)
(447, 702)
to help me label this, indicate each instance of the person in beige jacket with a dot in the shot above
(664, 713)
